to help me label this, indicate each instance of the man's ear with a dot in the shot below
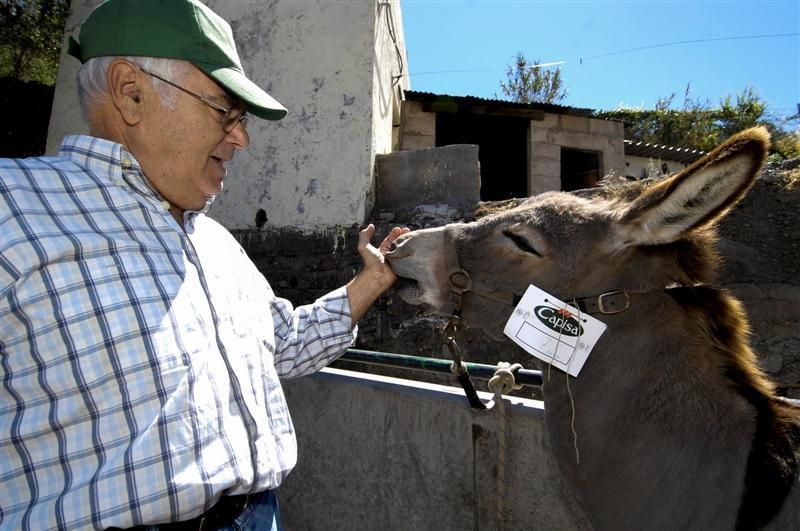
(126, 90)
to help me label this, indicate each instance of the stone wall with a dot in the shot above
(448, 174)
(759, 241)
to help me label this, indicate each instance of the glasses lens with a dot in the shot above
(232, 119)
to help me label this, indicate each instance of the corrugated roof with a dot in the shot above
(446, 100)
(655, 151)
(449, 103)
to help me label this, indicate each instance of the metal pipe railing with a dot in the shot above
(525, 377)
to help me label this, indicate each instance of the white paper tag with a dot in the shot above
(553, 331)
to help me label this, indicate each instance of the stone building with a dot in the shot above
(525, 149)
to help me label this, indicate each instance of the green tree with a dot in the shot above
(529, 83)
(31, 32)
(748, 110)
(696, 124)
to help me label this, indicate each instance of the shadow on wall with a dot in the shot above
(25, 110)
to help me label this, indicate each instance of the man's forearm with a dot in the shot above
(364, 289)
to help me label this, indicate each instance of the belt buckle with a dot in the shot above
(226, 510)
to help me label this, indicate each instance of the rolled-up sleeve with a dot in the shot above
(309, 337)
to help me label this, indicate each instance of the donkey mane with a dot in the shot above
(772, 464)
(725, 324)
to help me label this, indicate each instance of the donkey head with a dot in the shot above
(636, 238)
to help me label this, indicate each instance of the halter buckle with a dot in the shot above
(460, 281)
(609, 311)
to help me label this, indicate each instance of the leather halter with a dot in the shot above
(461, 282)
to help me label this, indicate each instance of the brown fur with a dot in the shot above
(774, 461)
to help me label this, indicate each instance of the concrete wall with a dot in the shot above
(557, 131)
(387, 454)
(448, 174)
(331, 64)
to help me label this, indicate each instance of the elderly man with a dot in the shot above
(140, 348)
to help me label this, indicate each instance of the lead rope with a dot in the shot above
(502, 383)
(457, 368)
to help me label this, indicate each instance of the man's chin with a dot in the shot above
(209, 200)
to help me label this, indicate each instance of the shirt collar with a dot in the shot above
(112, 162)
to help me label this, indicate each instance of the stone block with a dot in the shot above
(541, 134)
(550, 167)
(574, 123)
(424, 124)
(411, 142)
(448, 174)
(606, 128)
(544, 183)
(545, 150)
(550, 120)
(576, 140)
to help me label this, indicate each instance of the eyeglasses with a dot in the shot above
(230, 117)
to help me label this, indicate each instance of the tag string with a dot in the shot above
(569, 391)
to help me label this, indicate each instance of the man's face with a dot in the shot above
(187, 146)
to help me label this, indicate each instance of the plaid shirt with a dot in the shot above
(139, 362)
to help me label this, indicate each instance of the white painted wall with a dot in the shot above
(390, 76)
(331, 64)
(641, 167)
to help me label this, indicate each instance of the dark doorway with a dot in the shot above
(502, 150)
(579, 169)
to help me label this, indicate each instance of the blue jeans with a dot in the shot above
(261, 514)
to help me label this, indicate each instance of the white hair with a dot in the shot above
(93, 83)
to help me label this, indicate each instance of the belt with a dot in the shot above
(222, 514)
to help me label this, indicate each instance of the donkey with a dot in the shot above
(675, 426)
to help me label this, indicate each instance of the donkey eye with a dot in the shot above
(520, 242)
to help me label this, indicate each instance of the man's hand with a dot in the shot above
(373, 258)
(376, 276)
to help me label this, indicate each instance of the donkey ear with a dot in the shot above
(698, 195)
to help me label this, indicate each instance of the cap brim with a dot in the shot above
(258, 102)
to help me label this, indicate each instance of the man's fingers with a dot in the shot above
(395, 233)
(365, 236)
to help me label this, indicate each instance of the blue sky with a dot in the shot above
(481, 38)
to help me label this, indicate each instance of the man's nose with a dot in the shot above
(238, 136)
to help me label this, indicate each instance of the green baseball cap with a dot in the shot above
(175, 29)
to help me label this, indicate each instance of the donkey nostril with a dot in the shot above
(392, 247)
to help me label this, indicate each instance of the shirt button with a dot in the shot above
(166, 205)
(126, 162)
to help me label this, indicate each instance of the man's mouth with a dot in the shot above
(221, 163)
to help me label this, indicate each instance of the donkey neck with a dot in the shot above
(649, 393)
(653, 347)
